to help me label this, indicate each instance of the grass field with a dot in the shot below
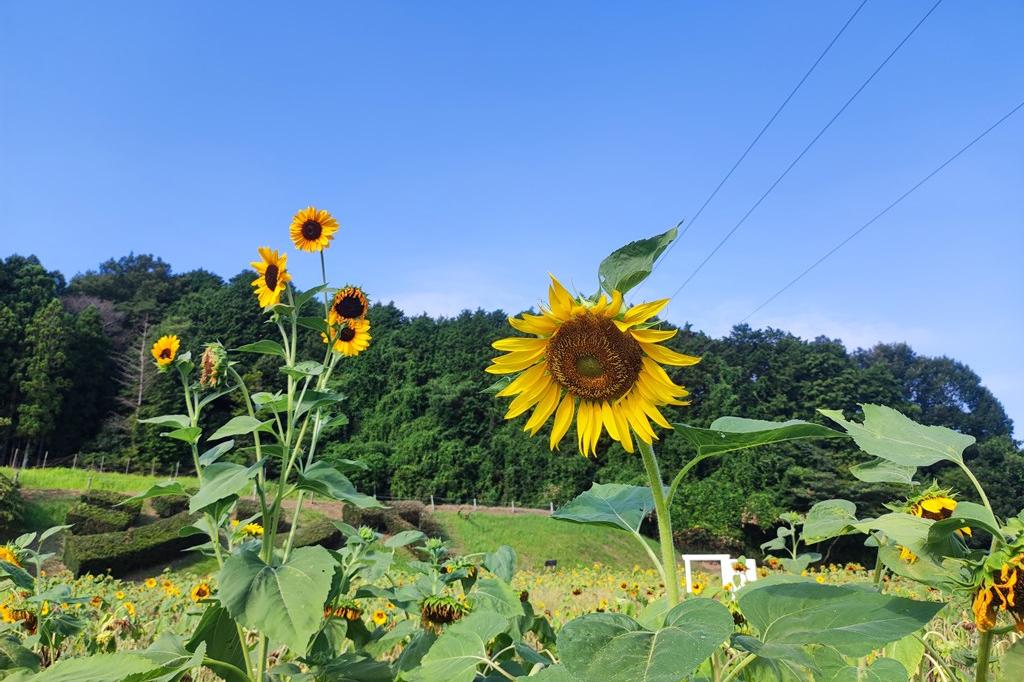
(537, 538)
(63, 478)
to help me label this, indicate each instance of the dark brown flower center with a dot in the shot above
(165, 353)
(311, 229)
(350, 307)
(270, 277)
(592, 359)
(347, 334)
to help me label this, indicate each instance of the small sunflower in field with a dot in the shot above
(350, 303)
(272, 276)
(380, 617)
(252, 530)
(119, 595)
(351, 339)
(150, 583)
(596, 359)
(8, 555)
(165, 350)
(200, 592)
(129, 608)
(312, 229)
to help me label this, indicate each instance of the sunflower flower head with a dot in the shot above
(252, 530)
(313, 229)
(380, 617)
(8, 555)
(350, 303)
(165, 350)
(437, 611)
(212, 365)
(351, 338)
(272, 276)
(596, 359)
(1001, 590)
(200, 592)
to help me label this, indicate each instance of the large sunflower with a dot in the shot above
(351, 339)
(165, 350)
(349, 303)
(272, 276)
(313, 229)
(594, 360)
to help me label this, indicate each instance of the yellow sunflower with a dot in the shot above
(596, 360)
(200, 592)
(352, 339)
(379, 617)
(349, 303)
(313, 229)
(272, 276)
(8, 555)
(165, 350)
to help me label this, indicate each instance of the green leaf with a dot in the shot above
(829, 519)
(215, 453)
(14, 655)
(301, 370)
(178, 421)
(189, 434)
(1011, 665)
(266, 346)
(400, 539)
(853, 620)
(456, 654)
(19, 576)
(498, 596)
(161, 489)
(629, 265)
(317, 324)
(880, 470)
(99, 668)
(552, 673)
(501, 562)
(609, 504)
(170, 658)
(888, 434)
(909, 651)
(323, 479)
(222, 480)
(240, 426)
(355, 667)
(219, 634)
(283, 600)
(912, 532)
(615, 648)
(727, 434)
(307, 295)
(966, 515)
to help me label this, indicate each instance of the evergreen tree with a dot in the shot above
(43, 373)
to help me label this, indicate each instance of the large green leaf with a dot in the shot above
(456, 654)
(727, 434)
(1011, 665)
(189, 434)
(178, 421)
(18, 575)
(220, 481)
(829, 519)
(323, 479)
(888, 434)
(215, 453)
(615, 648)
(240, 426)
(913, 533)
(99, 668)
(170, 659)
(610, 504)
(354, 667)
(501, 562)
(283, 600)
(966, 515)
(629, 265)
(14, 655)
(853, 620)
(497, 596)
(219, 634)
(881, 470)
(552, 673)
(161, 489)
(265, 346)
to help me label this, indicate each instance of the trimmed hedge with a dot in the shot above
(108, 499)
(247, 507)
(315, 531)
(169, 505)
(403, 515)
(125, 551)
(10, 507)
(86, 519)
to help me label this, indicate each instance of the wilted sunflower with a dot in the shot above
(272, 276)
(349, 303)
(1001, 591)
(165, 350)
(594, 359)
(352, 339)
(313, 229)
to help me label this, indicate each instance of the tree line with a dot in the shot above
(76, 376)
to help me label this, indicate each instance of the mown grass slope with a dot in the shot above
(537, 538)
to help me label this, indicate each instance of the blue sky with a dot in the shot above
(470, 148)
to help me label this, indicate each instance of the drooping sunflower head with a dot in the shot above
(272, 276)
(934, 504)
(350, 303)
(351, 339)
(596, 359)
(439, 610)
(313, 229)
(213, 365)
(1001, 590)
(165, 350)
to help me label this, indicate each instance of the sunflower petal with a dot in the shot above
(540, 325)
(608, 419)
(523, 381)
(527, 399)
(563, 418)
(517, 343)
(667, 356)
(653, 335)
(622, 426)
(639, 314)
(547, 405)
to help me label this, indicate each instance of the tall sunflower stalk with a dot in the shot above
(286, 426)
(598, 360)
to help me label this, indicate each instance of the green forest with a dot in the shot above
(76, 376)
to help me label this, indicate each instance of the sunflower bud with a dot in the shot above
(213, 365)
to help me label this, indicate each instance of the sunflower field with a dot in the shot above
(942, 599)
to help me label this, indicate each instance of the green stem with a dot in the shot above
(984, 653)
(682, 474)
(744, 662)
(668, 552)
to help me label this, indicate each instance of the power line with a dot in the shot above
(760, 134)
(807, 148)
(881, 213)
